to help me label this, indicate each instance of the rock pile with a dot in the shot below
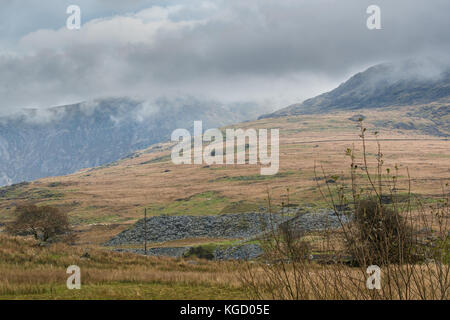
(167, 228)
(247, 226)
(242, 252)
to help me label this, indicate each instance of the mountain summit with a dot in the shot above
(389, 84)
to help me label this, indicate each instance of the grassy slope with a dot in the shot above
(103, 201)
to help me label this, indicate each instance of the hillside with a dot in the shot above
(407, 83)
(62, 140)
(105, 200)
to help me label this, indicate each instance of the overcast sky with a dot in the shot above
(274, 52)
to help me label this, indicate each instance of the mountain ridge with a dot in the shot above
(61, 140)
(382, 85)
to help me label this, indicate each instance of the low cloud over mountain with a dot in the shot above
(407, 82)
(277, 52)
(61, 140)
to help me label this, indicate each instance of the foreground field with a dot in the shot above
(29, 271)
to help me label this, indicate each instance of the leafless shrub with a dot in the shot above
(45, 223)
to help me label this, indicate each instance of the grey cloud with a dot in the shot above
(274, 51)
(18, 18)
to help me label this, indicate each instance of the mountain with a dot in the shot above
(389, 84)
(62, 140)
(105, 200)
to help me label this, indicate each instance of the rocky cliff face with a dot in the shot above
(406, 83)
(62, 140)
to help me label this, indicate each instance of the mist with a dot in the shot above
(268, 53)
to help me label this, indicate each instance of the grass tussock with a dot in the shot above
(31, 271)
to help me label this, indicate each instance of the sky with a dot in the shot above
(273, 52)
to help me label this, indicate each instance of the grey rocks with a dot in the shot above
(168, 228)
(313, 221)
(242, 252)
(245, 226)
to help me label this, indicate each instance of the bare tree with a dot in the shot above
(45, 223)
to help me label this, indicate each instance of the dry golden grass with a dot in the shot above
(32, 272)
(117, 194)
(181, 243)
(104, 201)
(338, 282)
